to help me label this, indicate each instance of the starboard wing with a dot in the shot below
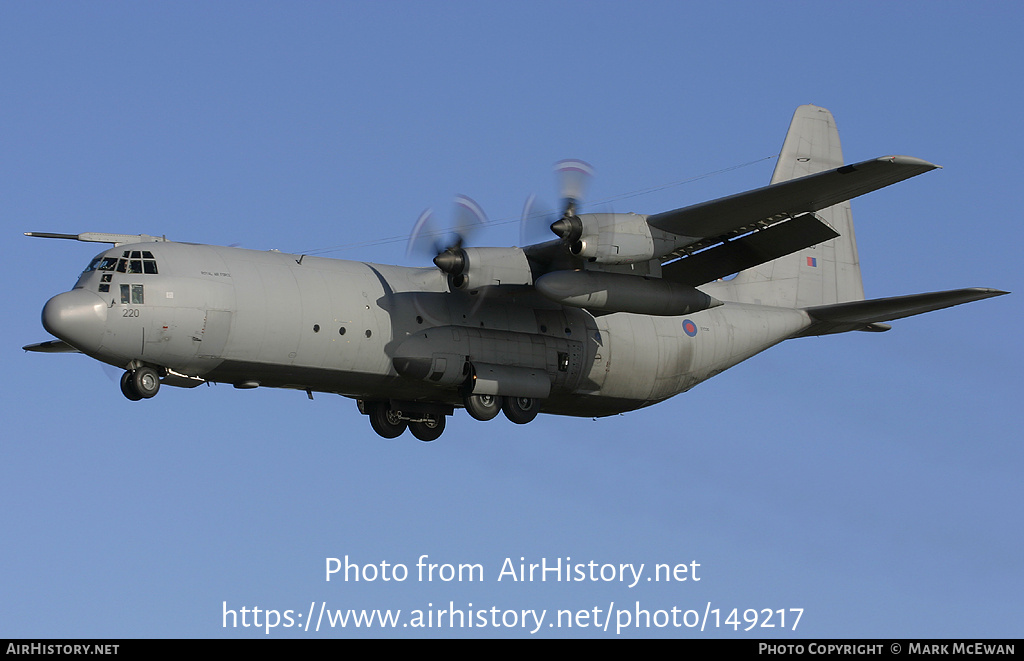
(745, 212)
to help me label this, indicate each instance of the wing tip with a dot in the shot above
(910, 161)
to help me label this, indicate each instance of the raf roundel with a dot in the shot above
(689, 328)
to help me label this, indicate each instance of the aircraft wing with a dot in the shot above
(744, 212)
(867, 315)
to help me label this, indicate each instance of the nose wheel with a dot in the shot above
(141, 383)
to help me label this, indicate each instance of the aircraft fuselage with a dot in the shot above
(253, 318)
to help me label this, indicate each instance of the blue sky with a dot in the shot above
(871, 480)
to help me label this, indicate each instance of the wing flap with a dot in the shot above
(749, 251)
(748, 211)
(867, 315)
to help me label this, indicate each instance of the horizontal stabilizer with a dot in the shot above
(749, 251)
(746, 211)
(866, 315)
(51, 346)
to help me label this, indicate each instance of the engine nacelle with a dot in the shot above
(473, 268)
(614, 238)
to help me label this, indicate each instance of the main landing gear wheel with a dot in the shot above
(483, 407)
(429, 429)
(386, 421)
(520, 410)
(142, 383)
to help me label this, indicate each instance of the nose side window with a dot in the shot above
(133, 295)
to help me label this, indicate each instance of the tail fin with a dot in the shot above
(823, 274)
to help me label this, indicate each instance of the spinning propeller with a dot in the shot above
(572, 176)
(446, 246)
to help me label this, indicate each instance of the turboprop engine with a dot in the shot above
(472, 268)
(613, 238)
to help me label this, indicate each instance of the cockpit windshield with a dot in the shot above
(130, 261)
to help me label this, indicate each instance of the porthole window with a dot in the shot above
(368, 332)
(316, 328)
(341, 331)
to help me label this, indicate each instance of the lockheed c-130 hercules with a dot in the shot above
(619, 312)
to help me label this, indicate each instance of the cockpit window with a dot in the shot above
(134, 261)
(102, 263)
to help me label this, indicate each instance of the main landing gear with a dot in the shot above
(519, 410)
(390, 418)
(140, 383)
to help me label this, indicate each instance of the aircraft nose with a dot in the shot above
(78, 317)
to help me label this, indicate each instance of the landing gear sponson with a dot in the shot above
(390, 418)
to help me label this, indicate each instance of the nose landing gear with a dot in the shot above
(140, 383)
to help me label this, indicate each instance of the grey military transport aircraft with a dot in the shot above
(619, 312)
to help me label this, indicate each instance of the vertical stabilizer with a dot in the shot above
(823, 274)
